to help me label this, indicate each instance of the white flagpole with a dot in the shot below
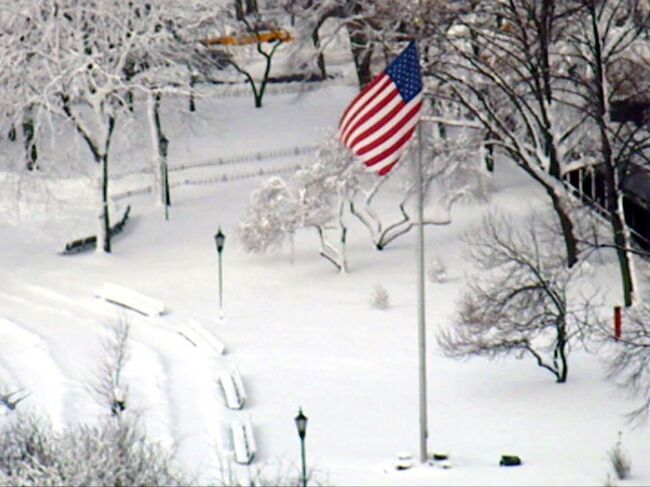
(421, 308)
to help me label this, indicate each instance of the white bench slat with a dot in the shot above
(239, 384)
(243, 441)
(131, 299)
(235, 398)
(197, 333)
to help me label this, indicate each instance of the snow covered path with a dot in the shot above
(170, 386)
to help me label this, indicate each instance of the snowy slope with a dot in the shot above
(300, 333)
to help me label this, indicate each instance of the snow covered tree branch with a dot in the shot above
(500, 64)
(521, 303)
(83, 62)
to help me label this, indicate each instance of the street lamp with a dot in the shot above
(301, 424)
(219, 240)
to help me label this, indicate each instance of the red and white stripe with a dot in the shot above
(378, 124)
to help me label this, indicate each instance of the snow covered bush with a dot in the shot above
(519, 303)
(379, 298)
(271, 217)
(314, 197)
(436, 270)
(111, 453)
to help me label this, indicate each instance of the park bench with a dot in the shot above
(201, 338)
(131, 299)
(233, 389)
(243, 441)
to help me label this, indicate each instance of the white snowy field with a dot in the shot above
(300, 333)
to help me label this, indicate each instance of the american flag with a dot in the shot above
(380, 121)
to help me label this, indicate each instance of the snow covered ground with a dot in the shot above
(300, 333)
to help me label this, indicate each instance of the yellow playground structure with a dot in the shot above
(241, 40)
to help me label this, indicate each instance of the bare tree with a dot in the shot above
(233, 42)
(81, 62)
(375, 27)
(109, 387)
(452, 173)
(611, 60)
(520, 304)
(500, 63)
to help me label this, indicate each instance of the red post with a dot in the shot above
(618, 324)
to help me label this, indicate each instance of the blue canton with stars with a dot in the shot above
(405, 73)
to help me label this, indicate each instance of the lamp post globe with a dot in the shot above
(219, 240)
(301, 425)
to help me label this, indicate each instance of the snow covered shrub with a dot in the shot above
(620, 460)
(314, 197)
(518, 303)
(26, 449)
(436, 270)
(272, 215)
(111, 453)
(379, 297)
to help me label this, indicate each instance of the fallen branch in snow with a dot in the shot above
(88, 243)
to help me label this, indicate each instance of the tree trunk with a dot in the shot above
(545, 39)
(268, 57)
(343, 236)
(160, 145)
(104, 235)
(315, 37)
(560, 353)
(192, 103)
(488, 154)
(613, 173)
(361, 54)
(29, 140)
(100, 157)
(566, 225)
(239, 9)
(251, 7)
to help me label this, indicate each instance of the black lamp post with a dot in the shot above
(219, 240)
(301, 424)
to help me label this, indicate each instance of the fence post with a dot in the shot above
(618, 325)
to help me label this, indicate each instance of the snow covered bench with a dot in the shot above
(233, 389)
(201, 338)
(131, 299)
(243, 441)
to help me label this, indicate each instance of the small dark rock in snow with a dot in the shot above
(510, 461)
